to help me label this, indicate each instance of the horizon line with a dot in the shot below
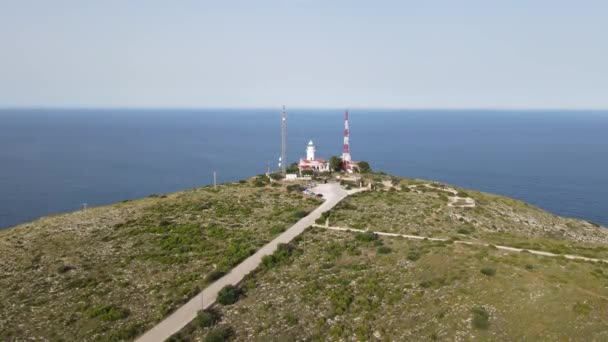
(279, 107)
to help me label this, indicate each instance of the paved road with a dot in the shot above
(332, 193)
(504, 248)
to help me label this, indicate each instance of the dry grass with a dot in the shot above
(111, 272)
(338, 287)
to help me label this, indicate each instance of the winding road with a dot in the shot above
(332, 193)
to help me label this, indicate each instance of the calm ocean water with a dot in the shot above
(52, 161)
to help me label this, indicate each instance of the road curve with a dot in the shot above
(332, 193)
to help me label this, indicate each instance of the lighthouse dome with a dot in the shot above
(310, 143)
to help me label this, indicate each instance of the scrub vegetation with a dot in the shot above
(111, 272)
(339, 286)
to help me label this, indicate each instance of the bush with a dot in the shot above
(214, 275)
(413, 255)
(364, 167)
(228, 295)
(276, 176)
(207, 318)
(465, 230)
(291, 319)
(277, 229)
(481, 318)
(298, 214)
(462, 194)
(368, 236)
(108, 313)
(294, 187)
(383, 250)
(220, 334)
(323, 218)
(489, 271)
(582, 308)
(64, 268)
(127, 333)
(279, 257)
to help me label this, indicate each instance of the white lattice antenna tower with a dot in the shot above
(283, 141)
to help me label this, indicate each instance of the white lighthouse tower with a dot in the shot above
(310, 151)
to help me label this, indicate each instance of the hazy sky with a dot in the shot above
(308, 53)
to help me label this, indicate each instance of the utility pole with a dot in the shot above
(283, 141)
(214, 180)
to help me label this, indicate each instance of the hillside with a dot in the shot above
(110, 273)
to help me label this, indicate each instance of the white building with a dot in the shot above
(310, 163)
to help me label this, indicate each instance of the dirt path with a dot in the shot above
(332, 193)
(473, 243)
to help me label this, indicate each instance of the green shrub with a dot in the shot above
(298, 214)
(214, 275)
(279, 257)
(291, 319)
(466, 230)
(323, 218)
(228, 295)
(277, 229)
(220, 334)
(368, 236)
(276, 176)
(481, 318)
(207, 318)
(294, 187)
(383, 250)
(108, 313)
(582, 308)
(64, 268)
(127, 333)
(259, 183)
(489, 271)
(413, 255)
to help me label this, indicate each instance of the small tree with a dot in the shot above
(207, 318)
(229, 294)
(335, 164)
(293, 168)
(364, 167)
(219, 334)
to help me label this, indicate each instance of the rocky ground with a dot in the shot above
(108, 273)
(344, 286)
(341, 286)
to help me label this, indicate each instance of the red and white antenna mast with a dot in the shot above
(346, 147)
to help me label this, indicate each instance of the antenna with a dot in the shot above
(214, 180)
(283, 141)
(346, 158)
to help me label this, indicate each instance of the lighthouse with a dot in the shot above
(311, 164)
(310, 151)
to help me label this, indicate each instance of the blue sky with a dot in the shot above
(307, 53)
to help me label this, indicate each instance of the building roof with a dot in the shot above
(311, 162)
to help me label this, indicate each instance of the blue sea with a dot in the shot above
(53, 161)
